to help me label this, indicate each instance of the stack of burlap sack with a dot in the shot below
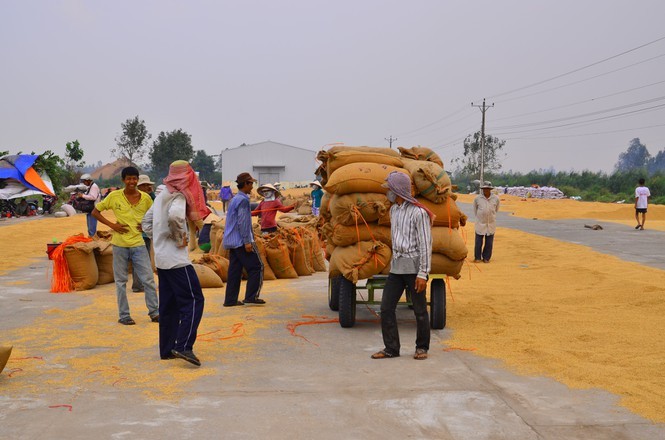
(91, 263)
(293, 251)
(355, 212)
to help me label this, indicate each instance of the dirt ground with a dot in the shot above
(542, 306)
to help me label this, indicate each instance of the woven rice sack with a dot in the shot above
(382, 150)
(207, 277)
(308, 221)
(5, 352)
(309, 255)
(338, 159)
(444, 265)
(449, 242)
(318, 259)
(268, 274)
(360, 177)
(421, 153)
(430, 180)
(304, 209)
(297, 255)
(103, 235)
(330, 248)
(347, 209)
(69, 209)
(324, 209)
(82, 265)
(104, 260)
(333, 271)
(279, 260)
(348, 235)
(217, 263)
(447, 213)
(362, 260)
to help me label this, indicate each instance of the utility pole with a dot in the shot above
(390, 140)
(483, 108)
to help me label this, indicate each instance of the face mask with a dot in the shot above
(268, 195)
(392, 197)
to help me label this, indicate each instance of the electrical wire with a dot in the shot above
(578, 69)
(585, 134)
(432, 123)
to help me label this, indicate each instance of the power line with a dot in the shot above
(531, 124)
(432, 123)
(578, 69)
(580, 102)
(586, 134)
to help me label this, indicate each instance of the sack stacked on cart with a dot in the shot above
(354, 208)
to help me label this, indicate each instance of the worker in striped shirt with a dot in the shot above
(411, 230)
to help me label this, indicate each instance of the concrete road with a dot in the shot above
(317, 383)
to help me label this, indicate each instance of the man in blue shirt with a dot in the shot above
(243, 253)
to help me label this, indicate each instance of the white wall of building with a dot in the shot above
(269, 162)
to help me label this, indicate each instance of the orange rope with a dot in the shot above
(62, 280)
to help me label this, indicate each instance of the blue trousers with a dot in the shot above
(92, 224)
(239, 258)
(392, 292)
(485, 253)
(180, 309)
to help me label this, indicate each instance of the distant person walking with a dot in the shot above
(129, 205)
(485, 207)
(642, 196)
(225, 195)
(180, 296)
(243, 253)
(94, 194)
(317, 195)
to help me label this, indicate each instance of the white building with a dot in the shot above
(269, 162)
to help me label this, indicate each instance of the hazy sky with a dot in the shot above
(310, 73)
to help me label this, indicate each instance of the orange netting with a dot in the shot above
(62, 281)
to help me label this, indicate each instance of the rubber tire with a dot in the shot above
(437, 306)
(333, 293)
(347, 303)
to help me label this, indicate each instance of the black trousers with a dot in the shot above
(180, 309)
(239, 258)
(392, 292)
(485, 253)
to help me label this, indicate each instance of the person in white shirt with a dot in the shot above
(642, 195)
(485, 207)
(93, 193)
(180, 295)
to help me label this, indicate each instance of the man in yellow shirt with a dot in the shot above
(129, 205)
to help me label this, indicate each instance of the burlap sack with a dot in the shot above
(103, 235)
(308, 221)
(5, 352)
(304, 209)
(297, 254)
(104, 260)
(348, 235)
(217, 263)
(443, 265)
(430, 180)
(216, 235)
(279, 260)
(268, 274)
(333, 271)
(421, 153)
(347, 209)
(338, 159)
(318, 259)
(330, 248)
(382, 150)
(309, 254)
(447, 213)
(362, 260)
(82, 265)
(324, 209)
(449, 242)
(207, 277)
(360, 177)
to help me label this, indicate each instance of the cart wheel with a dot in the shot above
(437, 305)
(347, 303)
(333, 293)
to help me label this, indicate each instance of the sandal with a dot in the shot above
(420, 354)
(127, 321)
(383, 354)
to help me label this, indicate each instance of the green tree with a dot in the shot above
(73, 155)
(636, 156)
(54, 166)
(470, 162)
(133, 142)
(168, 147)
(205, 165)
